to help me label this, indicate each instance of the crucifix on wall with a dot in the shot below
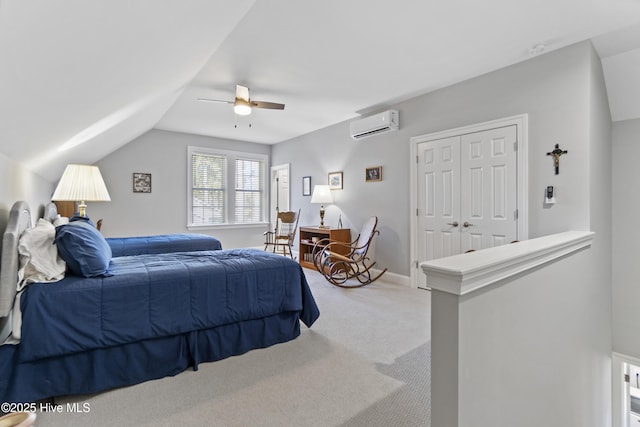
(556, 153)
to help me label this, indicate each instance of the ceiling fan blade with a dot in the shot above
(267, 105)
(242, 92)
(215, 100)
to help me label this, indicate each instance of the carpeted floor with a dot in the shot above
(365, 362)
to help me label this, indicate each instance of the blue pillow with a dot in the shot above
(84, 249)
(77, 217)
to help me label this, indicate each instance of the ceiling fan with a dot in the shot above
(242, 105)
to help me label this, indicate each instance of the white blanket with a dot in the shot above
(39, 262)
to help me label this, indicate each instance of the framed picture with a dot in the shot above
(373, 174)
(335, 180)
(141, 182)
(306, 185)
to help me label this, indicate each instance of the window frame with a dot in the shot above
(229, 187)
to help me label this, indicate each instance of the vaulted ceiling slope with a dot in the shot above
(79, 79)
(620, 54)
(98, 73)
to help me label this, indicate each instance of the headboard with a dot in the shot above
(19, 220)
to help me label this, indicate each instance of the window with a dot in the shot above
(226, 187)
(208, 173)
(249, 179)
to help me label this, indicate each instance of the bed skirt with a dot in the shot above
(107, 368)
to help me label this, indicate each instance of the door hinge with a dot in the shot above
(626, 378)
(417, 264)
(417, 211)
(515, 146)
(516, 213)
(417, 159)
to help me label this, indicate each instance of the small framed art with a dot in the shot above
(306, 185)
(335, 180)
(141, 182)
(373, 174)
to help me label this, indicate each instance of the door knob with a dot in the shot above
(467, 224)
(454, 223)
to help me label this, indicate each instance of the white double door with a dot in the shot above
(467, 193)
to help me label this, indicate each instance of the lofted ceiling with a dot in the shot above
(79, 79)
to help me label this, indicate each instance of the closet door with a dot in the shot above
(488, 188)
(438, 199)
(467, 193)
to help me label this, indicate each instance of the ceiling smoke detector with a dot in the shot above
(536, 49)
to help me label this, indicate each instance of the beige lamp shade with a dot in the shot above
(81, 183)
(321, 194)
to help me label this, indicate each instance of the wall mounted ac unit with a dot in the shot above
(372, 125)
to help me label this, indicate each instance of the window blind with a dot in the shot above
(248, 194)
(208, 189)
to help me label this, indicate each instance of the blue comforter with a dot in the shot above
(160, 295)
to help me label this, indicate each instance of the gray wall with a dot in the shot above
(18, 183)
(553, 89)
(626, 234)
(164, 210)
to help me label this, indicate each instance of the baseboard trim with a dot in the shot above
(394, 278)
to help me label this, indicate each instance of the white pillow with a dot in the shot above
(39, 260)
(60, 220)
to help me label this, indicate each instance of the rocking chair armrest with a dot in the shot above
(351, 246)
(339, 257)
(334, 248)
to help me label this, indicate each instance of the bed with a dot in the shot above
(149, 316)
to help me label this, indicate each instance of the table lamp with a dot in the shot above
(81, 183)
(321, 194)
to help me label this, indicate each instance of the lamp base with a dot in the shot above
(82, 209)
(322, 217)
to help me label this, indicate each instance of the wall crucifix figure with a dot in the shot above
(556, 153)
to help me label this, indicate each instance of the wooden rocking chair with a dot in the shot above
(339, 262)
(284, 233)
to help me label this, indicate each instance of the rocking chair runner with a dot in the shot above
(284, 233)
(338, 262)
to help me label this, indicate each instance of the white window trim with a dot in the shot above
(230, 186)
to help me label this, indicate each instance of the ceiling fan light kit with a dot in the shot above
(241, 107)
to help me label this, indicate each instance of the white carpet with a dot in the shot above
(365, 362)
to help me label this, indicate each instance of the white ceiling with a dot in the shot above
(93, 75)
